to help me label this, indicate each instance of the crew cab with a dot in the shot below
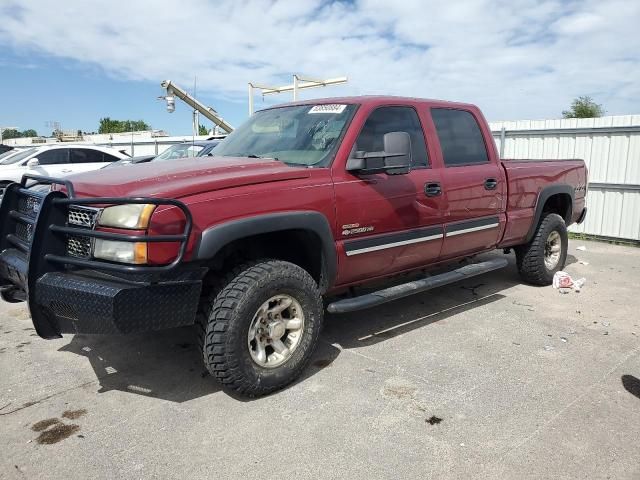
(297, 205)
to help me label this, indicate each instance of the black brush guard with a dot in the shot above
(67, 294)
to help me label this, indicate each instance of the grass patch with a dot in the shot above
(609, 240)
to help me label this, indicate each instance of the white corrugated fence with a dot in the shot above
(610, 146)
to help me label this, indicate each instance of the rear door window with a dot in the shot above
(107, 157)
(460, 137)
(86, 155)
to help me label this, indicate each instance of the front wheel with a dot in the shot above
(546, 254)
(261, 328)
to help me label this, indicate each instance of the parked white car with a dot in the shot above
(55, 161)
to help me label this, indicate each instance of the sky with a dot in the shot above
(517, 59)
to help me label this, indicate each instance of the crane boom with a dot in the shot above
(208, 112)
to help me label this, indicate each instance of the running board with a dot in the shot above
(400, 291)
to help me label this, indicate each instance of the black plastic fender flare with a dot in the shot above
(213, 239)
(544, 195)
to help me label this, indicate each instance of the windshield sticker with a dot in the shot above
(331, 108)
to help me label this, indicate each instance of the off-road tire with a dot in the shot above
(223, 325)
(530, 257)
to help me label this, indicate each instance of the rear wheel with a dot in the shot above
(546, 254)
(259, 330)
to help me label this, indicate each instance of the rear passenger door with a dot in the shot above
(473, 183)
(87, 159)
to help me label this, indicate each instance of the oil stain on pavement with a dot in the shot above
(53, 430)
(74, 414)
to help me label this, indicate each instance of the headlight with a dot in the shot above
(123, 252)
(134, 216)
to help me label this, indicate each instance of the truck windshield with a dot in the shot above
(298, 135)
(179, 151)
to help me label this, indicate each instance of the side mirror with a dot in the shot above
(33, 163)
(395, 159)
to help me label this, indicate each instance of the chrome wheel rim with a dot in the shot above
(552, 250)
(275, 331)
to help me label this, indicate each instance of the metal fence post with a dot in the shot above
(503, 136)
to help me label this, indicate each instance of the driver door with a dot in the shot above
(387, 223)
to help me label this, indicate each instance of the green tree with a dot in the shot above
(584, 107)
(10, 133)
(108, 125)
(30, 132)
(137, 125)
(202, 130)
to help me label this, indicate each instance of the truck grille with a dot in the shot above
(29, 205)
(79, 247)
(24, 232)
(53, 230)
(82, 217)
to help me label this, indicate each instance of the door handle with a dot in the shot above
(432, 189)
(66, 170)
(490, 184)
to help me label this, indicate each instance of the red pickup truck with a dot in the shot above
(298, 204)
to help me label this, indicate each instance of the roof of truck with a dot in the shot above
(378, 99)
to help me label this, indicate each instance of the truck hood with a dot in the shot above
(177, 179)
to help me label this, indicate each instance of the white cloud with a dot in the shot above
(516, 59)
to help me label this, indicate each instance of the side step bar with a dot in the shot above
(400, 291)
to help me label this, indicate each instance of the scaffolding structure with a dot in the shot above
(299, 83)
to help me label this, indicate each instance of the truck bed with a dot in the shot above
(526, 179)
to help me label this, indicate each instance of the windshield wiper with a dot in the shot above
(258, 156)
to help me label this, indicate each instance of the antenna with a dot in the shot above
(57, 128)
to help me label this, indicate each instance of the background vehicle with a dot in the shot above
(4, 157)
(55, 160)
(200, 148)
(304, 201)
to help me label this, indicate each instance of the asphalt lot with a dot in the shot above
(485, 379)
